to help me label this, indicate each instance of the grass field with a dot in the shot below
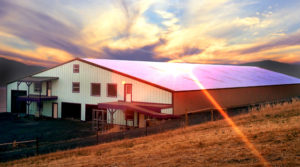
(274, 130)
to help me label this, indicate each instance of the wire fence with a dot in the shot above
(21, 149)
(40, 145)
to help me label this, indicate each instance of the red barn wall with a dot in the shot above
(191, 101)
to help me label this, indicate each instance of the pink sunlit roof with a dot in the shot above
(176, 76)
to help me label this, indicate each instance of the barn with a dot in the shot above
(128, 92)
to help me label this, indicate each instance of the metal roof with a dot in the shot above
(181, 76)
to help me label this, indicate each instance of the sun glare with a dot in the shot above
(230, 121)
(176, 69)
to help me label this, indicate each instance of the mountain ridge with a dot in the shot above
(11, 70)
(285, 68)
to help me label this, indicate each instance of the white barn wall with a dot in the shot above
(88, 74)
(119, 118)
(167, 110)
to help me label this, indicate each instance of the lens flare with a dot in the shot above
(230, 121)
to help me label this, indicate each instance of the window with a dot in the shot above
(75, 68)
(95, 89)
(112, 90)
(75, 87)
(37, 87)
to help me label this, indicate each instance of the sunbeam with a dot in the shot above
(230, 121)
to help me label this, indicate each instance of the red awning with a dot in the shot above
(151, 109)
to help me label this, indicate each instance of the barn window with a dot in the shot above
(112, 90)
(75, 87)
(95, 89)
(37, 87)
(75, 68)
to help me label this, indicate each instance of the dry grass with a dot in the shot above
(274, 130)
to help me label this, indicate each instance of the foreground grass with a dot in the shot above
(274, 130)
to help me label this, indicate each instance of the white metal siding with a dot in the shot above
(88, 74)
(167, 110)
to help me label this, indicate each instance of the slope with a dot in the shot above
(274, 130)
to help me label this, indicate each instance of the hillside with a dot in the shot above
(11, 70)
(285, 68)
(274, 130)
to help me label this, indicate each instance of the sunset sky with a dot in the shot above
(47, 32)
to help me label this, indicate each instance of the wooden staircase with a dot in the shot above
(2, 99)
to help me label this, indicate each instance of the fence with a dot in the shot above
(29, 149)
(41, 146)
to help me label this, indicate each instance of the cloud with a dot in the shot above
(221, 31)
(121, 26)
(39, 28)
(290, 40)
(144, 53)
(24, 58)
(50, 56)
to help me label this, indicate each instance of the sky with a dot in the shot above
(48, 32)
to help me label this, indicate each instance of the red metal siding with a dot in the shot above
(191, 101)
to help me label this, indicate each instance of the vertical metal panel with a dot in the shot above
(227, 98)
(88, 74)
(47, 109)
(119, 118)
(167, 110)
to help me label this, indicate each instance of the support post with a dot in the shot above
(37, 145)
(147, 124)
(97, 131)
(18, 84)
(27, 103)
(112, 111)
(28, 87)
(93, 119)
(212, 115)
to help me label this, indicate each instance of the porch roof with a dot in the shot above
(151, 109)
(37, 98)
(37, 79)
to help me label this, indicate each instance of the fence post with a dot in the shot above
(14, 144)
(147, 123)
(97, 136)
(186, 119)
(37, 145)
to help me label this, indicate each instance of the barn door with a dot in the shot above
(128, 92)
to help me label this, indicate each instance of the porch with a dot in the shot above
(137, 112)
(36, 95)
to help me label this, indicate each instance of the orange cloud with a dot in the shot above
(220, 31)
